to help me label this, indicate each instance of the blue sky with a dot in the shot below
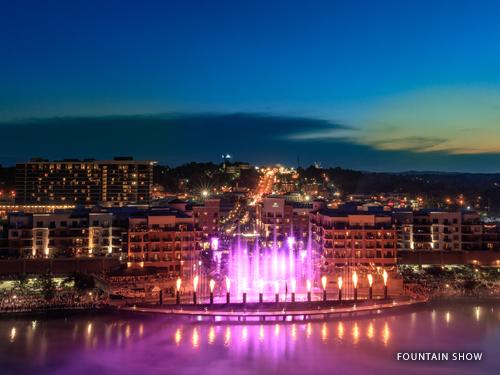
(419, 79)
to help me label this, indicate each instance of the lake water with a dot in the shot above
(143, 344)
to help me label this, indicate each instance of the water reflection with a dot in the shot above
(264, 334)
(178, 336)
(195, 340)
(42, 342)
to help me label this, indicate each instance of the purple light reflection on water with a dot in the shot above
(138, 344)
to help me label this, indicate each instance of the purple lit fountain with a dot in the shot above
(268, 268)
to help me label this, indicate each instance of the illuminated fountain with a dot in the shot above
(258, 271)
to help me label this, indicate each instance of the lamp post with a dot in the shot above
(195, 287)
(355, 284)
(385, 276)
(178, 291)
(244, 286)
(339, 281)
(308, 283)
(276, 291)
(323, 284)
(294, 287)
(370, 282)
(212, 286)
(261, 291)
(228, 288)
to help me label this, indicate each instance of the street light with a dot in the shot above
(355, 283)
(323, 283)
(339, 281)
(178, 293)
(212, 286)
(195, 287)
(294, 287)
(308, 283)
(370, 282)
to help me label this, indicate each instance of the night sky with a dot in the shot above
(372, 85)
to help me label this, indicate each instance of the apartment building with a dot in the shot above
(439, 230)
(73, 233)
(354, 238)
(164, 238)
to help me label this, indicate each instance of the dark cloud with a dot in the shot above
(177, 138)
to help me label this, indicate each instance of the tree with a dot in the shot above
(81, 282)
(21, 284)
(46, 285)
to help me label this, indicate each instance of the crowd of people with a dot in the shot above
(464, 281)
(11, 302)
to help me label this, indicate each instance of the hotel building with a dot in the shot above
(277, 218)
(115, 182)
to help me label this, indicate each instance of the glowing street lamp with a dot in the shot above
(244, 287)
(308, 283)
(228, 290)
(385, 276)
(294, 288)
(323, 284)
(291, 241)
(370, 283)
(214, 242)
(178, 292)
(355, 283)
(261, 290)
(276, 291)
(212, 286)
(195, 288)
(339, 282)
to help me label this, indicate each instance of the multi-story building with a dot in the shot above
(354, 238)
(278, 218)
(164, 238)
(471, 231)
(491, 237)
(207, 217)
(115, 182)
(72, 233)
(438, 230)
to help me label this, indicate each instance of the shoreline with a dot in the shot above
(166, 311)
